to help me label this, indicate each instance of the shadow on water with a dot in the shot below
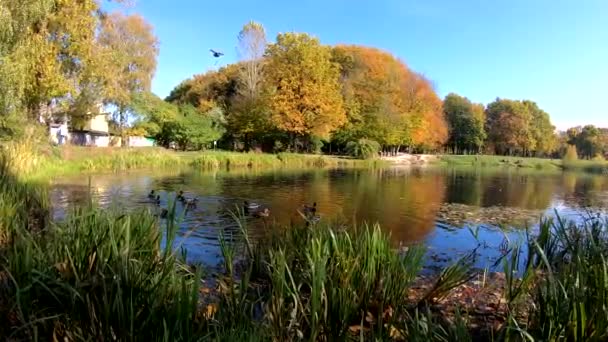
(405, 202)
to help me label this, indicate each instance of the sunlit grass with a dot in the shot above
(29, 161)
(501, 161)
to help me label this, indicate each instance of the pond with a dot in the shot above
(440, 207)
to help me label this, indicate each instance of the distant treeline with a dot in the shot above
(297, 94)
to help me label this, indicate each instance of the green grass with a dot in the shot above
(591, 166)
(501, 161)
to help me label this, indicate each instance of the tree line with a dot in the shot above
(61, 59)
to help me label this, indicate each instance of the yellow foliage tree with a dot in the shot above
(305, 98)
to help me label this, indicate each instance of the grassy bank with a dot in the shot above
(40, 162)
(500, 161)
(103, 275)
(590, 166)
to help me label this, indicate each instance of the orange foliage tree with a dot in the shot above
(387, 102)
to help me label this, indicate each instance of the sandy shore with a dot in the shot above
(411, 159)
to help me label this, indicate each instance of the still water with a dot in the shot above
(437, 207)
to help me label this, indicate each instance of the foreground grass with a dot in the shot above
(43, 162)
(103, 275)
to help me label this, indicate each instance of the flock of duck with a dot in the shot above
(249, 208)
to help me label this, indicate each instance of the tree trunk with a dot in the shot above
(122, 124)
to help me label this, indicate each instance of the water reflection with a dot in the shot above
(405, 202)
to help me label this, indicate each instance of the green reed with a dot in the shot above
(566, 280)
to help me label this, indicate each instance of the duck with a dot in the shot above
(251, 205)
(312, 220)
(180, 196)
(152, 194)
(190, 203)
(310, 209)
(157, 200)
(163, 213)
(262, 213)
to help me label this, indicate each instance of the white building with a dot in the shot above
(95, 132)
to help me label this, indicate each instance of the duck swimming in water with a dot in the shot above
(310, 209)
(152, 194)
(190, 203)
(157, 200)
(251, 205)
(262, 213)
(163, 213)
(180, 196)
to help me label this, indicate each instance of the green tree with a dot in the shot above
(193, 130)
(305, 97)
(466, 124)
(363, 148)
(153, 114)
(132, 49)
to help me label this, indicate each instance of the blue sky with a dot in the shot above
(554, 52)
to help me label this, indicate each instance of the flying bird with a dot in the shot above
(216, 54)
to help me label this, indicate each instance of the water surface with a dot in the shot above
(431, 206)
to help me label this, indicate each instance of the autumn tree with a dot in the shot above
(208, 90)
(508, 127)
(305, 98)
(47, 50)
(466, 123)
(541, 130)
(590, 141)
(520, 127)
(387, 102)
(133, 50)
(18, 23)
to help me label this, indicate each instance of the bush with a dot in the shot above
(571, 153)
(363, 148)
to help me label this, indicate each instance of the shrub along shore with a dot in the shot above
(100, 275)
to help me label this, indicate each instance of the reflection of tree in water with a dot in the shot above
(405, 202)
(585, 190)
(479, 187)
(527, 191)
